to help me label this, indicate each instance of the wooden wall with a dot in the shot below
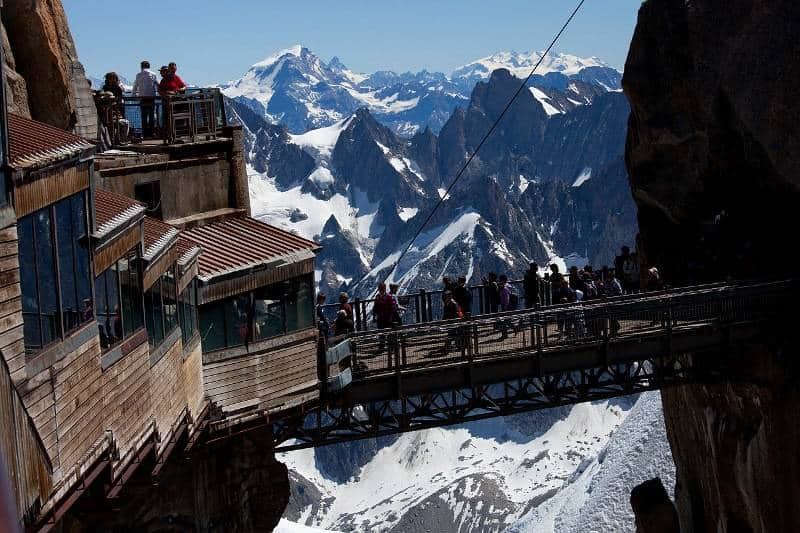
(11, 343)
(269, 378)
(61, 402)
(22, 453)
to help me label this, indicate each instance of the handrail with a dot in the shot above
(557, 327)
(196, 114)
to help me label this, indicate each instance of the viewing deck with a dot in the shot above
(441, 373)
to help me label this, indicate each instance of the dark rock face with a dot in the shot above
(713, 154)
(654, 511)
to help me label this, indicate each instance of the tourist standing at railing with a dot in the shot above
(120, 127)
(626, 267)
(491, 293)
(530, 285)
(146, 88)
(383, 308)
(612, 286)
(170, 83)
(323, 326)
(556, 277)
(394, 290)
(344, 323)
(462, 296)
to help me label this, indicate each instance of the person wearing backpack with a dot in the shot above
(450, 311)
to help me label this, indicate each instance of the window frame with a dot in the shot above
(133, 257)
(61, 331)
(165, 333)
(251, 313)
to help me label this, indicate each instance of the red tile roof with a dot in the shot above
(36, 144)
(187, 251)
(113, 211)
(241, 243)
(157, 236)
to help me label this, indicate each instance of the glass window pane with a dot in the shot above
(154, 311)
(212, 327)
(101, 308)
(135, 281)
(70, 311)
(168, 293)
(236, 326)
(268, 317)
(131, 296)
(300, 314)
(114, 316)
(83, 271)
(28, 286)
(45, 263)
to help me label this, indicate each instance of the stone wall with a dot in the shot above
(713, 154)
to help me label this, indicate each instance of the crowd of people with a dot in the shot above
(146, 87)
(497, 295)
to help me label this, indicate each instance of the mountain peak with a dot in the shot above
(296, 50)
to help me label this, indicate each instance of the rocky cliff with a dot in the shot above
(44, 79)
(713, 154)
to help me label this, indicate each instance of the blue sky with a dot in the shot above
(217, 40)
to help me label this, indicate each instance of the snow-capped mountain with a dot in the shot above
(295, 87)
(546, 187)
(556, 68)
(298, 89)
(561, 470)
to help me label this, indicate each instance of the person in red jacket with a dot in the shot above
(170, 82)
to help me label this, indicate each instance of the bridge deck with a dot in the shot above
(441, 373)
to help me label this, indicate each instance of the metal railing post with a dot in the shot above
(423, 306)
(359, 325)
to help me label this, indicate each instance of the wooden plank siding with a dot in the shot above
(106, 255)
(160, 265)
(51, 186)
(269, 376)
(11, 345)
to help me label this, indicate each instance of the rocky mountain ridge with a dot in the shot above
(297, 88)
(545, 187)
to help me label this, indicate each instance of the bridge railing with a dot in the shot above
(427, 306)
(557, 327)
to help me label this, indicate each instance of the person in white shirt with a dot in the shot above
(146, 87)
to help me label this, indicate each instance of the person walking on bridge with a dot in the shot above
(530, 285)
(383, 310)
(462, 296)
(450, 311)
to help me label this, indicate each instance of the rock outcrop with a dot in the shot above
(713, 155)
(45, 77)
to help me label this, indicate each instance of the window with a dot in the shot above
(54, 303)
(188, 311)
(119, 300)
(150, 195)
(267, 312)
(161, 308)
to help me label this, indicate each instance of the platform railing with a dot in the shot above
(197, 114)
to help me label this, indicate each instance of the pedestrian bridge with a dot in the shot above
(449, 372)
